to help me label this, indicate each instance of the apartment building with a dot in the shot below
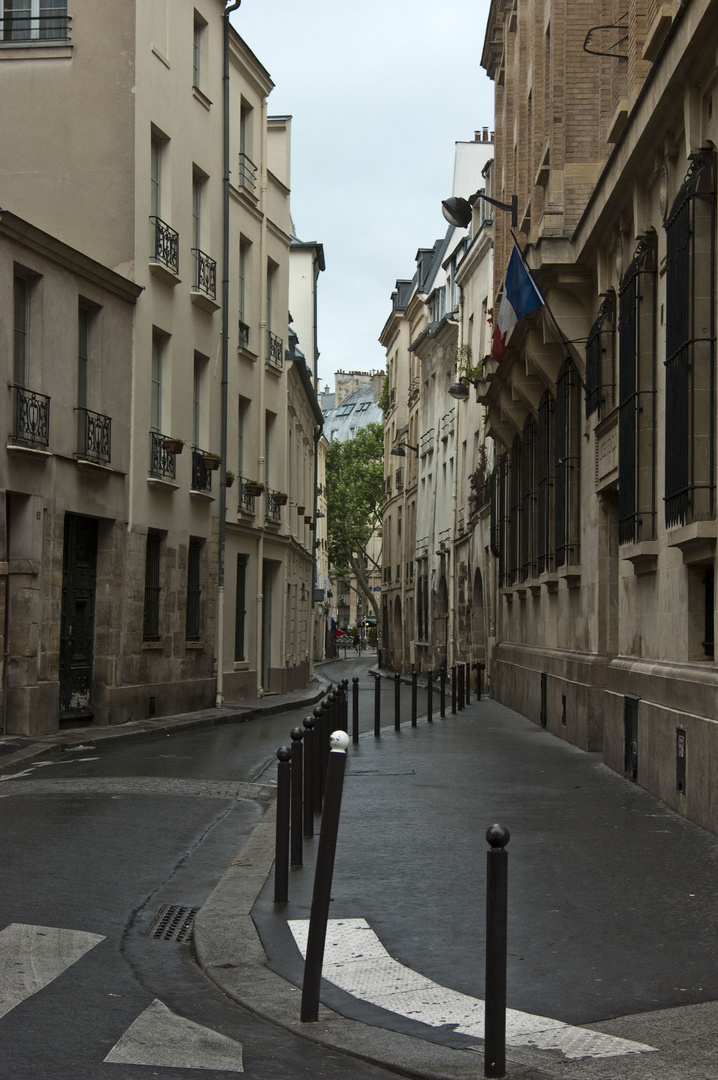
(603, 405)
(116, 147)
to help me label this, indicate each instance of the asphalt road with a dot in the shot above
(96, 843)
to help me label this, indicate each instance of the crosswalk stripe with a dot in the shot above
(356, 961)
(32, 956)
(162, 1038)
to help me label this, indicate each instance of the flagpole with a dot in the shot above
(564, 339)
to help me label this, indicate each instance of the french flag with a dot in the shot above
(520, 298)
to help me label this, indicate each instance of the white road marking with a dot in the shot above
(356, 961)
(160, 1037)
(32, 956)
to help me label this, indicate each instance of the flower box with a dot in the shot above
(173, 446)
(300, 510)
(280, 498)
(211, 461)
(253, 488)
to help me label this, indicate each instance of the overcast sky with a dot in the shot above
(379, 92)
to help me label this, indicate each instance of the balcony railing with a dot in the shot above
(447, 423)
(399, 478)
(273, 511)
(201, 475)
(275, 350)
(94, 431)
(414, 389)
(246, 502)
(18, 27)
(243, 335)
(163, 462)
(426, 443)
(205, 273)
(166, 245)
(247, 173)
(31, 416)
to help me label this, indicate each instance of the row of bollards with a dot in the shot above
(460, 695)
(310, 778)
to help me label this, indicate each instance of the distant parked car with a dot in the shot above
(342, 635)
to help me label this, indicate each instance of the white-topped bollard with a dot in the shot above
(321, 897)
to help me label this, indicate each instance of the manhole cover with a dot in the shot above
(173, 923)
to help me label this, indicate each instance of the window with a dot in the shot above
(344, 410)
(239, 609)
(528, 500)
(600, 376)
(197, 185)
(567, 446)
(247, 168)
(242, 411)
(244, 271)
(21, 288)
(690, 346)
(198, 48)
(636, 395)
(192, 617)
(29, 20)
(83, 372)
(158, 343)
(545, 459)
(514, 513)
(156, 148)
(151, 622)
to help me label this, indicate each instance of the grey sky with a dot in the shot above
(379, 93)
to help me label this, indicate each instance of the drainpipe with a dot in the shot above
(316, 551)
(219, 695)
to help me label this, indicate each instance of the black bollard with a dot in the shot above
(482, 669)
(442, 686)
(281, 863)
(475, 667)
(355, 709)
(413, 696)
(329, 706)
(321, 897)
(377, 706)
(296, 847)
(308, 724)
(318, 713)
(429, 696)
(496, 917)
(453, 689)
(378, 657)
(460, 687)
(397, 701)
(343, 705)
(467, 679)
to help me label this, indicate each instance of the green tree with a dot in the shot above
(355, 491)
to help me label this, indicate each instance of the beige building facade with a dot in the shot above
(603, 405)
(116, 147)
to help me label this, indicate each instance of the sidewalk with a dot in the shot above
(612, 920)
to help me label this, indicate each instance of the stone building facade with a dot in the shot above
(115, 147)
(603, 405)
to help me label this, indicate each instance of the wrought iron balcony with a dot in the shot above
(275, 350)
(163, 462)
(31, 416)
(414, 389)
(166, 245)
(94, 432)
(243, 335)
(399, 478)
(246, 501)
(273, 510)
(17, 27)
(201, 475)
(247, 173)
(205, 273)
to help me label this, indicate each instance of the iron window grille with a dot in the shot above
(205, 274)
(166, 245)
(201, 475)
(31, 414)
(246, 501)
(247, 173)
(273, 511)
(163, 462)
(17, 24)
(192, 616)
(545, 458)
(690, 346)
(95, 432)
(528, 500)
(637, 396)
(514, 513)
(243, 335)
(600, 384)
(275, 350)
(399, 478)
(567, 447)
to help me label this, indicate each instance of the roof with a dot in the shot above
(356, 411)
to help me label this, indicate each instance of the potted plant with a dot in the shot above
(172, 445)
(280, 498)
(254, 487)
(300, 510)
(307, 520)
(229, 478)
(211, 461)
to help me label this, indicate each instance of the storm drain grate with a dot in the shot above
(173, 923)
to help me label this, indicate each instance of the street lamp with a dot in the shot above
(399, 451)
(457, 211)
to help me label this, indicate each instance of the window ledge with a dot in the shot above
(161, 485)
(643, 555)
(201, 98)
(550, 581)
(696, 542)
(30, 450)
(202, 300)
(247, 354)
(85, 465)
(201, 496)
(153, 646)
(33, 50)
(194, 644)
(571, 575)
(241, 665)
(164, 273)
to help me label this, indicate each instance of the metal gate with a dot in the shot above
(77, 628)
